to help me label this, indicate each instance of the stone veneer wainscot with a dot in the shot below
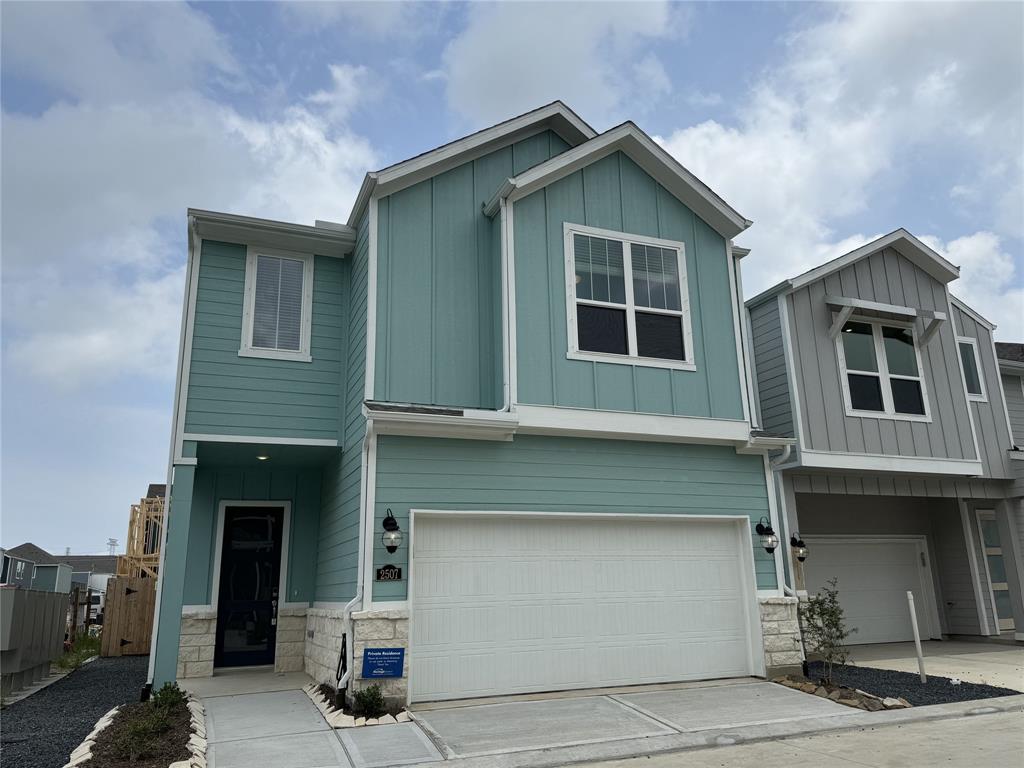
(780, 630)
(199, 637)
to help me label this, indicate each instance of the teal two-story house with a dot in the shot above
(492, 435)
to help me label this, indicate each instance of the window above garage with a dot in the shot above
(627, 299)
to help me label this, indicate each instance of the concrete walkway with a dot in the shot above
(996, 664)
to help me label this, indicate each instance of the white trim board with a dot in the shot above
(972, 559)
(260, 440)
(872, 462)
(980, 397)
(581, 422)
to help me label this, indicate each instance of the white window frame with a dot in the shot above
(882, 373)
(302, 354)
(574, 352)
(983, 397)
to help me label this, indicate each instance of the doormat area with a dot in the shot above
(907, 685)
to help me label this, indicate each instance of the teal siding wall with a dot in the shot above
(338, 544)
(233, 395)
(438, 301)
(216, 484)
(550, 474)
(614, 193)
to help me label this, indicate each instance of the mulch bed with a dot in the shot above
(157, 747)
(41, 730)
(906, 685)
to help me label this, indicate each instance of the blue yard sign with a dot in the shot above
(383, 662)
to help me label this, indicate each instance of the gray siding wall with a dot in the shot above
(1013, 389)
(884, 277)
(898, 485)
(989, 415)
(770, 375)
(936, 519)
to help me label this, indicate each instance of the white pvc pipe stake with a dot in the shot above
(917, 636)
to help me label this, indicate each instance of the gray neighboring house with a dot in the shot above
(48, 573)
(904, 476)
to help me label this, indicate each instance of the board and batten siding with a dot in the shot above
(214, 484)
(614, 193)
(890, 278)
(338, 543)
(1013, 388)
(233, 395)
(770, 372)
(438, 294)
(994, 438)
(555, 474)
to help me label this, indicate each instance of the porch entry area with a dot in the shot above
(249, 585)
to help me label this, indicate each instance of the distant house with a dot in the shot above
(16, 571)
(48, 573)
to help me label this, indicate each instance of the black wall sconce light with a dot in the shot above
(768, 538)
(392, 536)
(799, 548)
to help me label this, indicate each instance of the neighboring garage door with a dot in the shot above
(874, 577)
(514, 603)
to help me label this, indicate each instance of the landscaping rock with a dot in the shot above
(873, 704)
(339, 719)
(891, 703)
(360, 721)
(402, 717)
(820, 691)
(834, 696)
(386, 720)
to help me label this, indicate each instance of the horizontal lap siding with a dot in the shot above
(216, 484)
(439, 296)
(989, 416)
(1013, 387)
(898, 485)
(770, 368)
(614, 193)
(232, 395)
(338, 544)
(544, 474)
(889, 278)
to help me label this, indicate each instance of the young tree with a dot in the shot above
(823, 627)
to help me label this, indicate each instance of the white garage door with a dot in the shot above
(511, 604)
(874, 577)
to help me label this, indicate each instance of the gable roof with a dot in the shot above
(91, 563)
(645, 152)
(29, 551)
(900, 241)
(556, 116)
(156, 490)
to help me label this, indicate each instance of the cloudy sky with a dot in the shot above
(825, 124)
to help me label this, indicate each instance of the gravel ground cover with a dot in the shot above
(41, 731)
(887, 682)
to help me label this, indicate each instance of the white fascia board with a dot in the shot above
(247, 230)
(869, 462)
(768, 293)
(582, 422)
(1010, 367)
(555, 116)
(901, 240)
(472, 425)
(959, 304)
(258, 440)
(653, 159)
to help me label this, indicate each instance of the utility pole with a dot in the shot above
(112, 546)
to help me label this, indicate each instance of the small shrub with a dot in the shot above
(83, 647)
(369, 702)
(168, 697)
(824, 630)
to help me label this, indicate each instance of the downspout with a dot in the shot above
(506, 315)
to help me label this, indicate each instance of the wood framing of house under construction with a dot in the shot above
(142, 551)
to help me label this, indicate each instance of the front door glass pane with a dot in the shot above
(989, 532)
(997, 569)
(1004, 610)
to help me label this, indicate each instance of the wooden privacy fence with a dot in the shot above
(128, 616)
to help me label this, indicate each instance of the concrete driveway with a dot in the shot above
(998, 664)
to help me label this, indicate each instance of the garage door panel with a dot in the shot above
(544, 604)
(873, 580)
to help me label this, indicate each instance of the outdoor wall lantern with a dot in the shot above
(768, 538)
(392, 536)
(799, 548)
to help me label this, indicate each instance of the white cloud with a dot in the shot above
(95, 192)
(514, 56)
(856, 95)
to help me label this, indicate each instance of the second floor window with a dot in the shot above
(972, 368)
(881, 369)
(278, 305)
(627, 299)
